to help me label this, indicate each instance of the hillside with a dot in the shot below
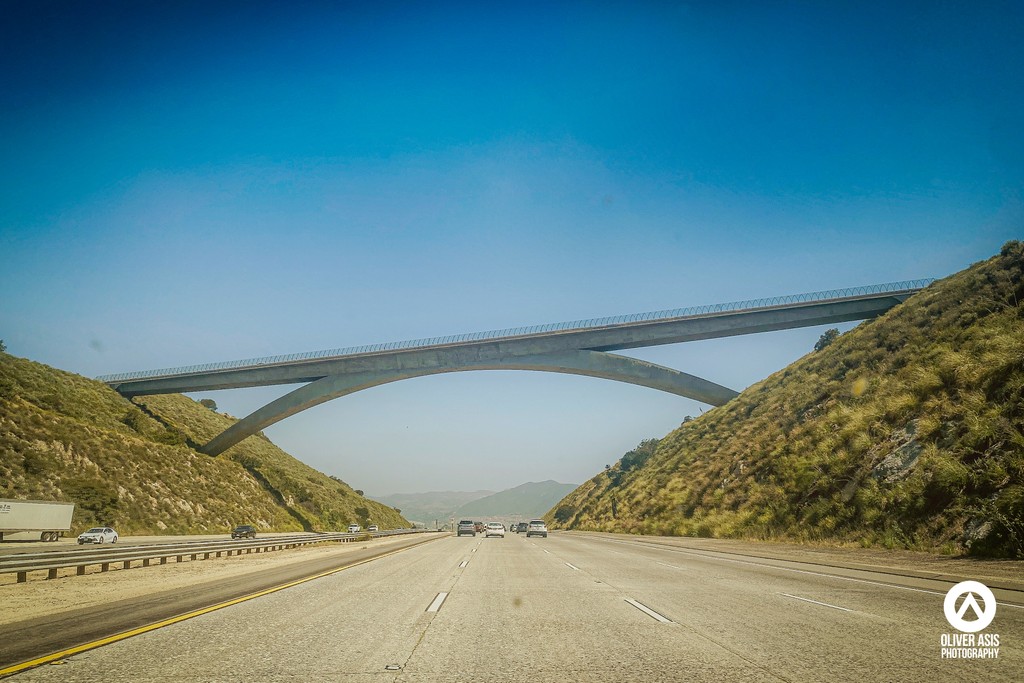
(526, 500)
(130, 465)
(430, 506)
(904, 432)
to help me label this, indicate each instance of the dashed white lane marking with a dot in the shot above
(572, 566)
(438, 601)
(548, 552)
(463, 565)
(648, 611)
(823, 604)
(663, 564)
(474, 550)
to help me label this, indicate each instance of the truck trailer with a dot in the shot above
(34, 520)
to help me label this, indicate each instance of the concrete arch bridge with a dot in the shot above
(582, 348)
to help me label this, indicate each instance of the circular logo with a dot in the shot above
(982, 617)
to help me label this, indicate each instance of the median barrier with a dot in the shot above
(51, 562)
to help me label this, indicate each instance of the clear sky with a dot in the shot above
(189, 182)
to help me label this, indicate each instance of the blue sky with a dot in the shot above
(195, 182)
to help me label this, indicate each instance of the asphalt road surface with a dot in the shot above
(565, 608)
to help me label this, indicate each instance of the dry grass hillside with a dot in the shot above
(132, 465)
(904, 432)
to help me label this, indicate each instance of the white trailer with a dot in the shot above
(34, 520)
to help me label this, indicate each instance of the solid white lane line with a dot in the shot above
(570, 566)
(804, 571)
(823, 604)
(648, 611)
(463, 565)
(438, 601)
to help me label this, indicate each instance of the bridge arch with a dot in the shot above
(576, 362)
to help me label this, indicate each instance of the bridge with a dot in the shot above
(581, 347)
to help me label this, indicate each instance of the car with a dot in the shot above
(373, 527)
(521, 527)
(467, 527)
(538, 527)
(98, 534)
(479, 526)
(354, 528)
(244, 531)
(494, 529)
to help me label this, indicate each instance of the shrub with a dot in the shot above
(564, 513)
(829, 336)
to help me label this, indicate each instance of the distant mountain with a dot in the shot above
(532, 499)
(426, 507)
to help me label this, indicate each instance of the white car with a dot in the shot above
(98, 534)
(354, 528)
(494, 529)
(373, 527)
(538, 527)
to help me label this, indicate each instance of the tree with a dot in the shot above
(3, 347)
(364, 515)
(564, 513)
(639, 455)
(826, 339)
(209, 403)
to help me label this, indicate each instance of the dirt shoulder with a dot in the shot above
(43, 597)
(1006, 573)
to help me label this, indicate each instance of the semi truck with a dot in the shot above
(34, 520)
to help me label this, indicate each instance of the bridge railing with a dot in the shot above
(575, 325)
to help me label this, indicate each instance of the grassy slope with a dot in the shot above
(316, 500)
(66, 437)
(904, 432)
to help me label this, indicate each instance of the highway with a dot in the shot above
(68, 543)
(570, 607)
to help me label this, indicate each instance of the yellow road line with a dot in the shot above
(78, 649)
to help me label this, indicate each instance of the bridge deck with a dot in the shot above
(601, 334)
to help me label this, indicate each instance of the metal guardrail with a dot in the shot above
(51, 562)
(576, 325)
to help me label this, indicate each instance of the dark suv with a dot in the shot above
(244, 531)
(467, 526)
